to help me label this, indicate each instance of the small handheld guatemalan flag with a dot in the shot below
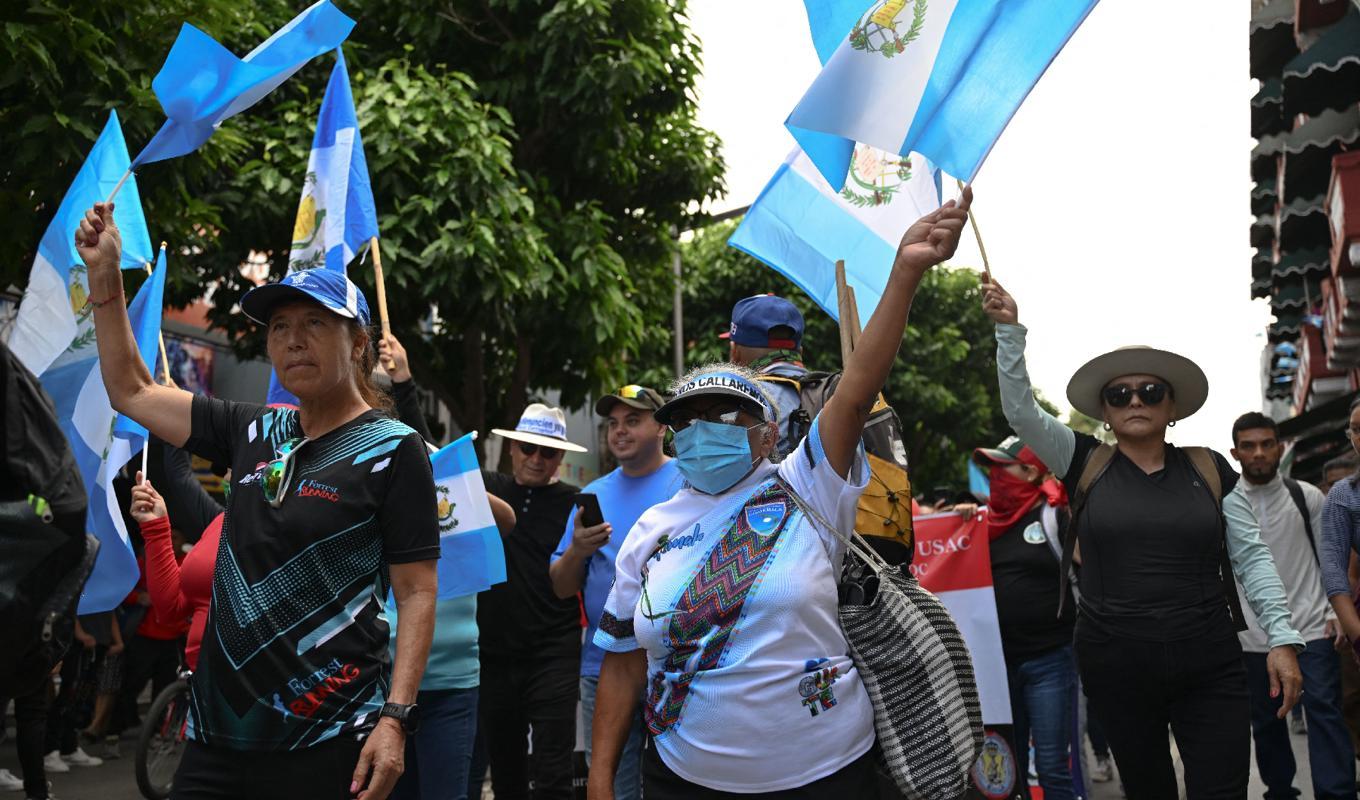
(472, 558)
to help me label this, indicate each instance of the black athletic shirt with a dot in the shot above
(1025, 578)
(1151, 546)
(295, 650)
(523, 617)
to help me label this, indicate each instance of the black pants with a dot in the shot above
(145, 659)
(70, 710)
(30, 720)
(323, 772)
(535, 698)
(857, 780)
(1196, 687)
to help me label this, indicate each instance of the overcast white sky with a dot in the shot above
(1115, 207)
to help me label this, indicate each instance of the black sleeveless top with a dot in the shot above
(1151, 546)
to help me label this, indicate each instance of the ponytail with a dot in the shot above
(369, 390)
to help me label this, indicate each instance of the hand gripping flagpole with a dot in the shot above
(382, 293)
(972, 220)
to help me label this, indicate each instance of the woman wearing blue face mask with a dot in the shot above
(723, 614)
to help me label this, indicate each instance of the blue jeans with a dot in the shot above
(439, 754)
(1043, 691)
(1329, 746)
(628, 780)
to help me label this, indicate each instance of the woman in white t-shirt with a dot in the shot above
(723, 613)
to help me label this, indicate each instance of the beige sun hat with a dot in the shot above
(541, 425)
(1188, 383)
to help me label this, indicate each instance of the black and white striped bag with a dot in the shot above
(917, 670)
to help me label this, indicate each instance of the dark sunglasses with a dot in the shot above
(548, 453)
(1150, 393)
(278, 474)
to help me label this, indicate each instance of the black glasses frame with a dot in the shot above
(1150, 393)
(548, 453)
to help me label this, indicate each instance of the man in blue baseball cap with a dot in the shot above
(766, 335)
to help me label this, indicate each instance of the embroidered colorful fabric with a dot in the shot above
(712, 604)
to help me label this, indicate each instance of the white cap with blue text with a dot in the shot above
(541, 425)
(723, 383)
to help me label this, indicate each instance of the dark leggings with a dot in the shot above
(320, 772)
(1195, 687)
(30, 720)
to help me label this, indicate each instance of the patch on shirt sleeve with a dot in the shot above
(618, 628)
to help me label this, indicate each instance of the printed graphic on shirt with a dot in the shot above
(296, 648)
(702, 622)
(815, 687)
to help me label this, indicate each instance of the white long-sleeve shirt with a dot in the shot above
(1282, 531)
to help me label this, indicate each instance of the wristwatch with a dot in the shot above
(408, 716)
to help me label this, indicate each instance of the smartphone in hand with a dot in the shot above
(589, 510)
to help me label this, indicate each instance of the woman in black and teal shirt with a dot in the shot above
(295, 694)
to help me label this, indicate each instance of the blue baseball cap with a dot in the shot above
(325, 286)
(754, 317)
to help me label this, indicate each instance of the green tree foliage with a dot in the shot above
(944, 383)
(530, 160)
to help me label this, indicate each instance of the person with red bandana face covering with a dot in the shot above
(1027, 512)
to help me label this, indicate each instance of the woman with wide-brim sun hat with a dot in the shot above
(1156, 642)
(332, 504)
(724, 605)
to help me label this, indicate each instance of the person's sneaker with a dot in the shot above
(111, 750)
(10, 782)
(52, 763)
(1297, 725)
(80, 758)
(1103, 772)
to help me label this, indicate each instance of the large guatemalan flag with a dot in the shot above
(54, 337)
(937, 77)
(801, 227)
(336, 216)
(472, 557)
(203, 83)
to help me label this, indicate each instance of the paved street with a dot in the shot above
(114, 780)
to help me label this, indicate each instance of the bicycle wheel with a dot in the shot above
(161, 742)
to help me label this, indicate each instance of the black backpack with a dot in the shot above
(884, 515)
(45, 554)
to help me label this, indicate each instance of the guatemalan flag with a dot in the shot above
(472, 558)
(937, 77)
(54, 337)
(336, 216)
(800, 226)
(203, 83)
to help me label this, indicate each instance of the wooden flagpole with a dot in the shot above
(977, 234)
(382, 292)
(845, 312)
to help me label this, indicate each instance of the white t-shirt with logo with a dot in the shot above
(750, 686)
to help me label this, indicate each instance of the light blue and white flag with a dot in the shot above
(336, 216)
(937, 77)
(800, 226)
(54, 337)
(54, 320)
(203, 83)
(472, 558)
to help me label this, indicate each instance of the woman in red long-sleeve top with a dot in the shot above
(178, 590)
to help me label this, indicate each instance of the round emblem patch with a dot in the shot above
(994, 771)
(1034, 533)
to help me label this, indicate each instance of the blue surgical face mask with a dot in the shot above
(713, 456)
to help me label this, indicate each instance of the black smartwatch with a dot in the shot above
(408, 716)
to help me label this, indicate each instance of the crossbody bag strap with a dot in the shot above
(1097, 461)
(854, 542)
(1296, 494)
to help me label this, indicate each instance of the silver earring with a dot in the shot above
(1107, 426)
(1171, 424)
